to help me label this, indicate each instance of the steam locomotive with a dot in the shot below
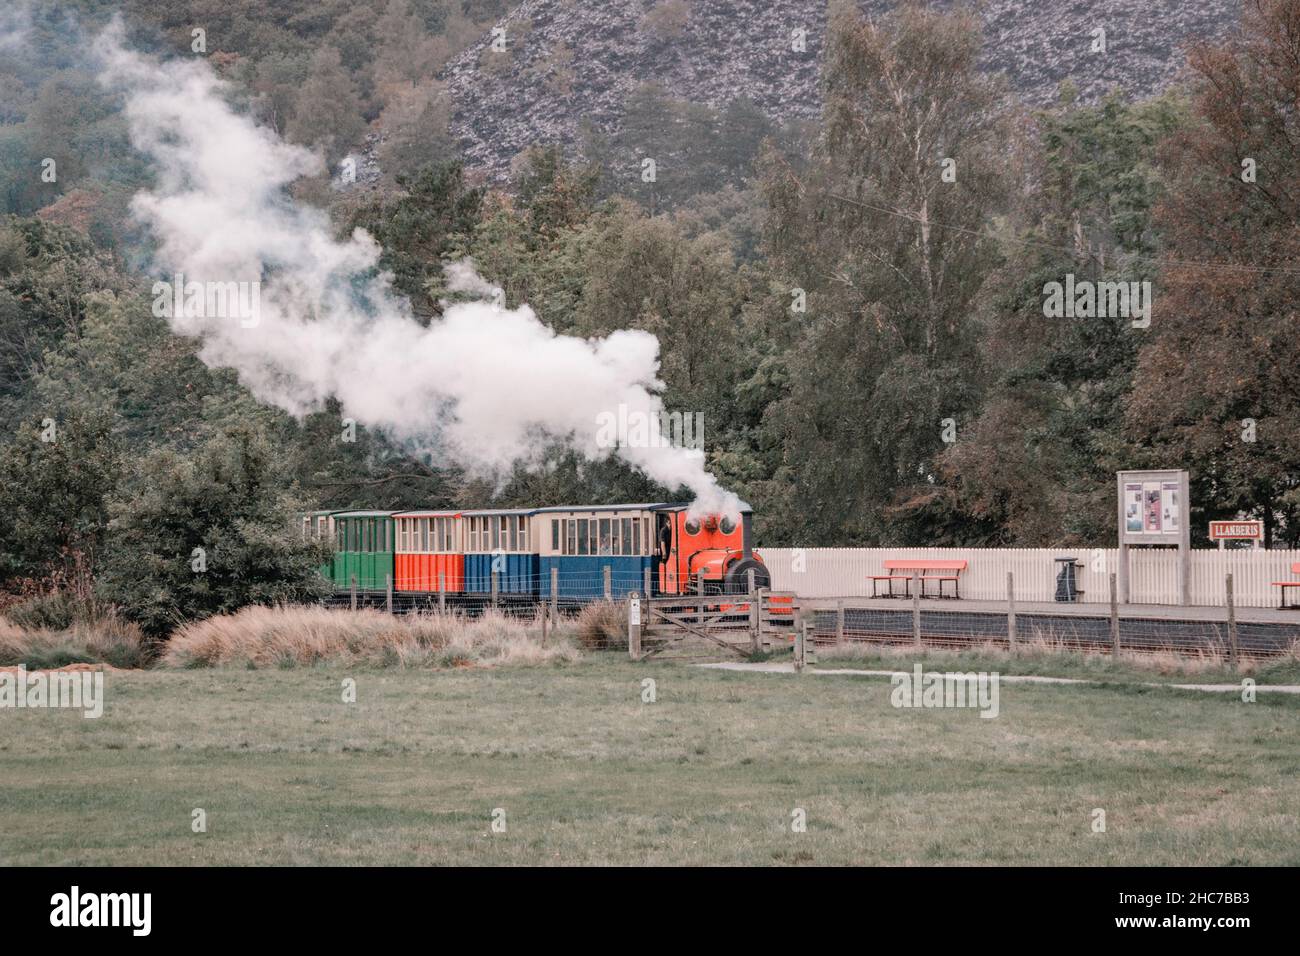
(578, 553)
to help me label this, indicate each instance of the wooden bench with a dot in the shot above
(1295, 569)
(902, 569)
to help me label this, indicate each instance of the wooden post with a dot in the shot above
(916, 608)
(645, 584)
(1011, 612)
(839, 621)
(699, 591)
(555, 592)
(1114, 618)
(354, 592)
(388, 592)
(751, 594)
(634, 626)
(1232, 624)
(544, 613)
(495, 587)
(442, 592)
(609, 590)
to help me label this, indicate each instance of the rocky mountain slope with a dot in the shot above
(570, 61)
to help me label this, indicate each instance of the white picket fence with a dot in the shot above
(842, 572)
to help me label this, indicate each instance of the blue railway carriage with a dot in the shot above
(581, 542)
(501, 541)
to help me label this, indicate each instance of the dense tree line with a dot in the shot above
(857, 309)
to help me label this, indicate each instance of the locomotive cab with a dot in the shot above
(714, 549)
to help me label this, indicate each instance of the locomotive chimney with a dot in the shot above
(747, 534)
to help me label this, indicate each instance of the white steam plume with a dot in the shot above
(488, 385)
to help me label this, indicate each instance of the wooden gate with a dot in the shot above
(740, 624)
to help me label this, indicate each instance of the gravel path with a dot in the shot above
(770, 668)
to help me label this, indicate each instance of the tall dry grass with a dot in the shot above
(290, 636)
(600, 625)
(104, 640)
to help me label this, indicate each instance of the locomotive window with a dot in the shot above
(692, 526)
(727, 525)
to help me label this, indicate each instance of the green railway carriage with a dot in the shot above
(363, 547)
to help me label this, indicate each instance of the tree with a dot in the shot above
(55, 477)
(1036, 467)
(417, 230)
(208, 533)
(882, 240)
(1216, 388)
(327, 110)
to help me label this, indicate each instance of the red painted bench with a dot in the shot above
(1295, 569)
(902, 569)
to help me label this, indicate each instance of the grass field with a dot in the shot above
(587, 773)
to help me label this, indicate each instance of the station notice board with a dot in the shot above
(1153, 510)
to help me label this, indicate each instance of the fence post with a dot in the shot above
(442, 592)
(645, 574)
(354, 592)
(634, 626)
(699, 591)
(388, 592)
(1114, 618)
(609, 591)
(495, 588)
(839, 622)
(1011, 612)
(916, 608)
(1232, 624)
(555, 592)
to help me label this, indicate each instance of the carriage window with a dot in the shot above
(555, 535)
(570, 536)
(627, 536)
(583, 540)
(636, 535)
(523, 532)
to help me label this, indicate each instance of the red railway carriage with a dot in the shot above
(430, 551)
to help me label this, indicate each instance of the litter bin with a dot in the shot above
(1067, 588)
